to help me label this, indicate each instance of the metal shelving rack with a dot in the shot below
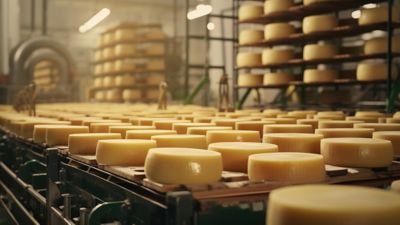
(298, 12)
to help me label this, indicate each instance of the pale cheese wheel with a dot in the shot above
(98, 69)
(276, 56)
(247, 12)
(337, 124)
(181, 141)
(124, 80)
(318, 23)
(227, 122)
(155, 79)
(248, 59)
(345, 132)
(378, 15)
(100, 95)
(374, 71)
(312, 122)
(277, 78)
(98, 55)
(98, 82)
(124, 65)
(108, 38)
(123, 152)
(114, 95)
(374, 114)
(108, 53)
(332, 205)
(125, 34)
(122, 129)
(124, 50)
(131, 94)
(108, 67)
(274, 6)
(146, 134)
(317, 75)
(58, 135)
(278, 30)
(203, 130)
(290, 167)
(392, 120)
(183, 166)
(250, 36)
(27, 127)
(167, 124)
(295, 142)
(392, 136)
(281, 120)
(181, 128)
(102, 127)
(319, 51)
(288, 128)
(85, 144)
(380, 45)
(252, 125)
(250, 80)
(362, 119)
(235, 154)
(379, 126)
(395, 186)
(357, 152)
(214, 136)
(108, 81)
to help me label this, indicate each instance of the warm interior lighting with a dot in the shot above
(356, 14)
(201, 10)
(94, 20)
(210, 26)
(369, 6)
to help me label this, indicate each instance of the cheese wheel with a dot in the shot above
(276, 56)
(247, 12)
(362, 119)
(97, 55)
(109, 81)
(379, 126)
(250, 36)
(277, 78)
(281, 120)
(374, 71)
(87, 122)
(155, 79)
(374, 114)
(131, 94)
(214, 136)
(291, 167)
(248, 59)
(58, 135)
(146, 134)
(108, 67)
(295, 142)
(309, 2)
(392, 136)
(181, 141)
(122, 129)
(108, 53)
(332, 205)
(27, 127)
(317, 75)
(124, 80)
(98, 83)
(379, 45)
(125, 50)
(250, 80)
(395, 186)
(183, 166)
(108, 38)
(318, 23)
(124, 65)
(329, 116)
(150, 120)
(396, 115)
(123, 152)
(167, 124)
(154, 34)
(156, 65)
(345, 132)
(181, 128)
(102, 127)
(203, 130)
(155, 50)
(278, 30)
(114, 95)
(378, 14)
(312, 122)
(392, 120)
(100, 95)
(98, 69)
(319, 51)
(288, 128)
(273, 6)
(85, 144)
(252, 125)
(235, 154)
(227, 122)
(357, 152)
(337, 124)
(125, 34)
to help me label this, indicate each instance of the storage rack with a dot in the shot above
(298, 12)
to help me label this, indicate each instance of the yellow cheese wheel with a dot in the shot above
(312, 122)
(85, 144)
(108, 38)
(109, 81)
(374, 71)
(379, 45)
(131, 94)
(181, 141)
(183, 166)
(379, 126)
(123, 152)
(319, 23)
(295, 142)
(87, 122)
(235, 154)
(362, 119)
(277, 55)
(317, 75)
(281, 120)
(98, 82)
(250, 79)
(97, 55)
(122, 129)
(114, 95)
(124, 65)
(337, 124)
(357, 152)
(58, 135)
(248, 11)
(345, 132)
(125, 50)
(155, 50)
(278, 30)
(102, 127)
(378, 14)
(249, 59)
(156, 65)
(214, 136)
(329, 116)
(125, 34)
(273, 6)
(167, 124)
(124, 80)
(100, 95)
(150, 120)
(291, 167)
(319, 51)
(108, 67)
(181, 128)
(374, 114)
(392, 136)
(146, 134)
(277, 78)
(392, 120)
(250, 36)
(203, 130)
(395, 186)
(396, 115)
(332, 205)
(28, 126)
(288, 128)
(253, 125)
(98, 69)
(227, 122)
(108, 53)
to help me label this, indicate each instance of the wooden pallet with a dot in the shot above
(88, 159)
(129, 172)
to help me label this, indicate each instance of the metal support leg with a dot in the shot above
(240, 103)
(180, 208)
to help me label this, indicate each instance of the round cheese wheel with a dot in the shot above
(295, 142)
(85, 144)
(235, 154)
(250, 80)
(395, 186)
(146, 134)
(374, 71)
(167, 124)
(123, 152)
(374, 114)
(250, 36)
(124, 80)
(277, 78)
(312, 122)
(332, 205)
(203, 130)
(181, 141)
(276, 56)
(227, 122)
(214, 136)
(319, 51)
(102, 127)
(124, 65)
(319, 23)
(131, 94)
(114, 95)
(337, 124)
(392, 120)
(281, 120)
(183, 166)
(392, 136)
(248, 12)
(273, 6)
(98, 82)
(329, 116)
(98, 69)
(278, 30)
(150, 120)
(97, 55)
(379, 45)
(345, 132)
(109, 81)
(125, 34)
(378, 14)
(288, 128)
(108, 38)
(362, 119)
(100, 95)
(108, 67)
(122, 129)
(357, 152)
(317, 75)
(249, 59)
(379, 126)
(253, 125)
(181, 128)
(291, 167)
(28, 127)
(58, 135)
(125, 50)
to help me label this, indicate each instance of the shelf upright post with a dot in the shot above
(389, 51)
(235, 30)
(186, 71)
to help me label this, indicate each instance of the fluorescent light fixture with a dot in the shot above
(94, 20)
(356, 14)
(201, 10)
(369, 6)
(210, 26)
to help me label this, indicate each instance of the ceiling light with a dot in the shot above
(210, 26)
(369, 6)
(94, 20)
(356, 14)
(201, 10)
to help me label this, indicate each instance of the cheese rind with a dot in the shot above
(380, 45)
(319, 51)
(124, 128)
(85, 144)
(377, 15)
(214, 136)
(59, 135)
(374, 71)
(295, 142)
(337, 124)
(317, 75)
(345, 132)
(146, 134)
(379, 126)
(248, 11)
(288, 128)
(277, 78)
(273, 6)
(181, 141)
(276, 56)
(250, 79)
(392, 136)
(278, 30)
(248, 59)
(203, 130)
(318, 23)
(250, 36)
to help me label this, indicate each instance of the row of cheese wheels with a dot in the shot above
(127, 80)
(129, 34)
(128, 65)
(126, 95)
(128, 49)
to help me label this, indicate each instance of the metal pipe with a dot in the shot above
(33, 10)
(44, 18)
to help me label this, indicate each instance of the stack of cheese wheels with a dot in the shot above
(290, 167)
(247, 12)
(250, 36)
(288, 128)
(155, 79)
(277, 55)
(58, 135)
(274, 6)
(248, 59)
(146, 134)
(86, 143)
(377, 15)
(345, 132)
(392, 136)
(277, 78)
(181, 140)
(250, 79)
(204, 130)
(295, 142)
(124, 65)
(123, 152)
(319, 75)
(278, 30)
(214, 136)
(374, 71)
(235, 154)
(124, 50)
(122, 129)
(98, 82)
(108, 67)
(125, 34)
(183, 166)
(114, 95)
(319, 51)
(357, 152)
(124, 80)
(379, 126)
(131, 94)
(108, 53)
(331, 205)
(379, 45)
(318, 23)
